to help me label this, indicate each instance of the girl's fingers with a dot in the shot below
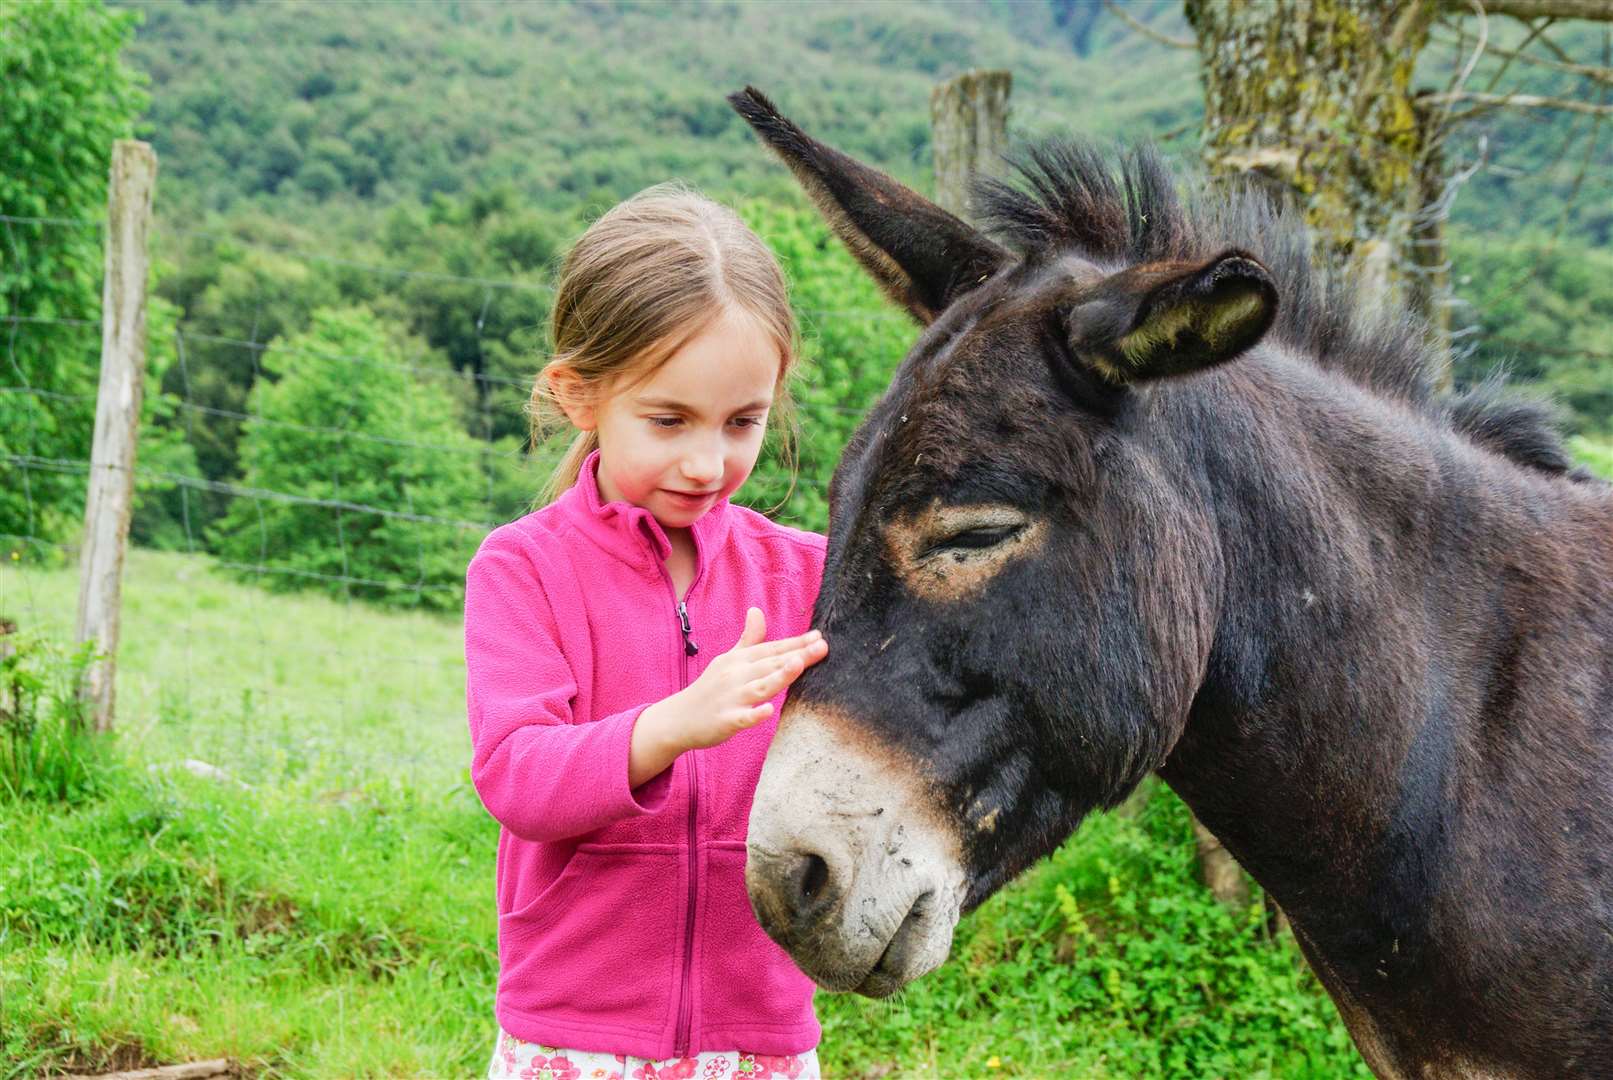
(784, 645)
(756, 714)
(768, 686)
(761, 669)
(755, 631)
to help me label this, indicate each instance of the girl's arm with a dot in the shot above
(546, 778)
(540, 775)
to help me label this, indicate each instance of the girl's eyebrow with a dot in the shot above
(672, 405)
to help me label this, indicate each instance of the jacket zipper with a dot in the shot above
(685, 999)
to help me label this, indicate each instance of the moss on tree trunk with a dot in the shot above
(1315, 97)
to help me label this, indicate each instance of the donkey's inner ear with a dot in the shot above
(922, 256)
(1184, 319)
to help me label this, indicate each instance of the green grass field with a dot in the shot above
(327, 909)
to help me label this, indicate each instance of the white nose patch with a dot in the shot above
(870, 815)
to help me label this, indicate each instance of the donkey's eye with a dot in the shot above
(976, 539)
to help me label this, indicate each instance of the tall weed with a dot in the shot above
(47, 751)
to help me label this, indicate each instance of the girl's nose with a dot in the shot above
(703, 467)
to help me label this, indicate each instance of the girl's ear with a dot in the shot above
(565, 387)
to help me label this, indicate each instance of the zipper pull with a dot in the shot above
(689, 647)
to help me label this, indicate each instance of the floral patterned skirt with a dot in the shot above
(514, 1059)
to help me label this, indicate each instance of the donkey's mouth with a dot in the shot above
(895, 967)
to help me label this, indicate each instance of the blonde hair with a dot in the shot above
(643, 279)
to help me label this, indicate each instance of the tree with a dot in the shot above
(1317, 99)
(359, 479)
(67, 97)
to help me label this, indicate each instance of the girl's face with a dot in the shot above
(688, 435)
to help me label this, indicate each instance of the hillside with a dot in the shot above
(578, 104)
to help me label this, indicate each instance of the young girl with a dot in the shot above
(615, 740)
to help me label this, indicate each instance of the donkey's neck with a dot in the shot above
(1375, 695)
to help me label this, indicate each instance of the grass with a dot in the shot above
(274, 686)
(326, 908)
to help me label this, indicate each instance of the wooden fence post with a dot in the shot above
(110, 498)
(969, 132)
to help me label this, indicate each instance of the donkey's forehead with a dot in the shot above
(981, 340)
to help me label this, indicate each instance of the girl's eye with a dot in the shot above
(747, 421)
(665, 421)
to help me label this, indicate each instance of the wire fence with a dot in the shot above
(263, 634)
(240, 650)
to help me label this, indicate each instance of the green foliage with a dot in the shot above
(390, 104)
(852, 339)
(470, 287)
(1596, 455)
(300, 933)
(162, 502)
(47, 751)
(67, 97)
(341, 419)
(476, 291)
(1546, 311)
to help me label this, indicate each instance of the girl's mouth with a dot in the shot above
(690, 499)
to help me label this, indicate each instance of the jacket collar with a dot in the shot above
(631, 532)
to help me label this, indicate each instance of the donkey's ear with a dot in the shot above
(922, 256)
(1154, 321)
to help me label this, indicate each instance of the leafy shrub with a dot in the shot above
(67, 98)
(363, 482)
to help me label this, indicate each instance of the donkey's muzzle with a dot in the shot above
(848, 867)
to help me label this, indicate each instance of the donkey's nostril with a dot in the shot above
(790, 890)
(811, 876)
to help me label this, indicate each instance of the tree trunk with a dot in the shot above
(1314, 97)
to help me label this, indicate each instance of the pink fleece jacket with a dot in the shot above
(624, 925)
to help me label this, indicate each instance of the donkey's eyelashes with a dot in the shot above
(977, 538)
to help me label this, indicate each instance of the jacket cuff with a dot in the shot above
(650, 796)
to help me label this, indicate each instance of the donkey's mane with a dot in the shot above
(1075, 198)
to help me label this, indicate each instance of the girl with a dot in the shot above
(614, 740)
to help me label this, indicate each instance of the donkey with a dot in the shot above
(1149, 494)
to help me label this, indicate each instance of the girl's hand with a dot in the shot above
(734, 693)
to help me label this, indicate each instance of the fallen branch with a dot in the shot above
(192, 1070)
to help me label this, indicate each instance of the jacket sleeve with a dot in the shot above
(539, 773)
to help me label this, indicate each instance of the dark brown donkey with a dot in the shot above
(1150, 495)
